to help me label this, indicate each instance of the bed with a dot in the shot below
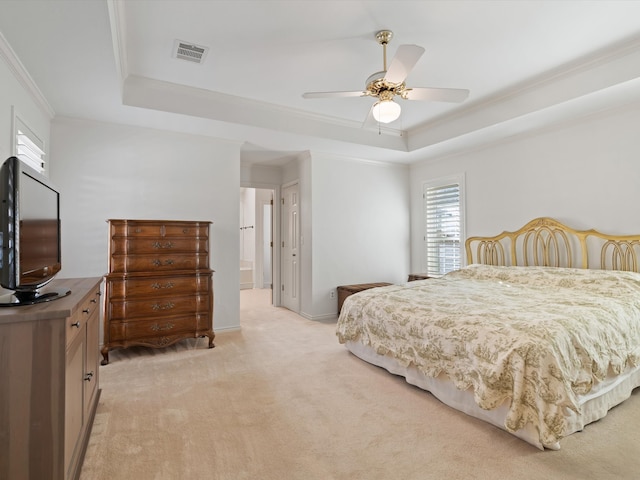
(539, 334)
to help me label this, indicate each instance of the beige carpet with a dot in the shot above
(282, 399)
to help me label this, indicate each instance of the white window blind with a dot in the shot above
(29, 148)
(443, 227)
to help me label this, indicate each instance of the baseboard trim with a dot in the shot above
(319, 318)
(227, 329)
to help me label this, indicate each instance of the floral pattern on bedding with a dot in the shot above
(535, 336)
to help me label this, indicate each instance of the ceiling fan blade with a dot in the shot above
(454, 95)
(369, 121)
(333, 94)
(403, 62)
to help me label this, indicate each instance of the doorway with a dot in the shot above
(256, 241)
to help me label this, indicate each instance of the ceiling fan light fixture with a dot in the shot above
(386, 111)
(390, 82)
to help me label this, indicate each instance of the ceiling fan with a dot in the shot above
(389, 83)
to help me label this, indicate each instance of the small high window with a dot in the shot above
(28, 147)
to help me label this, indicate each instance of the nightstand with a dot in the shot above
(345, 290)
(417, 276)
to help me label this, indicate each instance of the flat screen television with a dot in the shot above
(29, 234)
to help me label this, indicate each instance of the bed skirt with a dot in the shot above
(594, 406)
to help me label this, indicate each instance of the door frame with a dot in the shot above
(275, 234)
(259, 269)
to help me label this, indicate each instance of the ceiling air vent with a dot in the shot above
(189, 51)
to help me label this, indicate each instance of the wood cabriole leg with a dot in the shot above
(105, 355)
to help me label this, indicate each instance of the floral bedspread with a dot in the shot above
(536, 336)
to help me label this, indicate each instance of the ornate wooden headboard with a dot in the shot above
(547, 242)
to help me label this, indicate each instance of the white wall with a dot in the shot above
(354, 224)
(15, 99)
(258, 176)
(360, 226)
(248, 219)
(585, 174)
(114, 171)
(300, 171)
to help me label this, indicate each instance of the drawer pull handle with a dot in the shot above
(157, 286)
(76, 324)
(86, 310)
(157, 328)
(163, 245)
(166, 306)
(88, 377)
(94, 300)
(158, 263)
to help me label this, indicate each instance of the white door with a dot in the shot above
(290, 259)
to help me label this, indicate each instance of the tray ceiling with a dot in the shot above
(527, 64)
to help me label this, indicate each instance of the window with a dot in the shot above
(28, 147)
(443, 213)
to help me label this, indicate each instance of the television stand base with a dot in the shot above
(17, 299)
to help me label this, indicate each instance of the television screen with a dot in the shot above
(39, 255)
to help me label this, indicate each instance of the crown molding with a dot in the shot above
(599, 72)
(22, 75)
(174, 98)
(117, 25)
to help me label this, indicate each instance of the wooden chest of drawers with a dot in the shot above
(159, 289)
